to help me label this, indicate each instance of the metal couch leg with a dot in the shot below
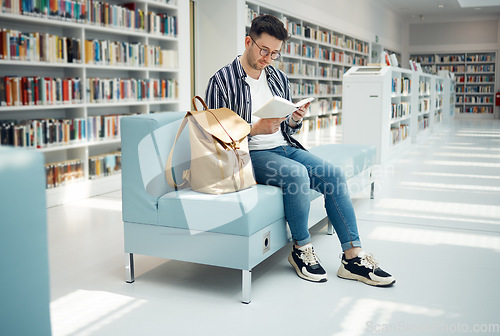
(246, 288)
(330, 230)
(372, 190)
(129, 267)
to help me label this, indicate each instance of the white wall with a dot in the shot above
(456, 36)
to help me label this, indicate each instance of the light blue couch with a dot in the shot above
(24, 290)
(236, 230)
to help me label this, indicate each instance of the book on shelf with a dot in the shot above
(278, 107)
(20, 91)
(104, 165)
(63, 173)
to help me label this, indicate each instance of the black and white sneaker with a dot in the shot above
(306, 263)
(364, 268)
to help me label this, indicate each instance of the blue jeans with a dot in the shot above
(296, 171)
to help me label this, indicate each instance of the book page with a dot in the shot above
(279, 107)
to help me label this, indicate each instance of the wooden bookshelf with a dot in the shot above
(315, 59)
(79, 73)
(475, 78)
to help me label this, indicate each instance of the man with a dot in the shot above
(278, 159)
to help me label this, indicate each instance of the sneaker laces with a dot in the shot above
(308, 256)
(368, 260)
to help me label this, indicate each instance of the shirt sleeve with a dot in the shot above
(214, 97)
(288, 95)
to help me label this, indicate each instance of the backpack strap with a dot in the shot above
(169, 173)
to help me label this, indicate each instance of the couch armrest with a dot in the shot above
(146, 141)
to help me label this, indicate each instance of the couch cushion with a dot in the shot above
(352, 158)
(240, 213)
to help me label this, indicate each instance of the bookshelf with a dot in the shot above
(423, 117)
(68, 77)
(475, 77)
(378, 108)
(315, 59)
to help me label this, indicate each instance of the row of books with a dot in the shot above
(108, 90)
(475, 89)
(136, 54)
(424, 88)
(423, 59)
(105, 165)
(312, 124)
(452, 68)
(58, 9)
(307, 89)
(478, 109)
(450, 58)
(17, 91)
(321, 53)
(127, 16)
(59, 174)
(481, 68)
(424, 105)
(478, 99)
(324, 36)
(298, 69)
(38, 47)
(458, 58)
(481, 58)
(423, 123)
(476, 79)
(44, 47)
(323, 107)
(42, 133)
(401, 86)
(400, 110)
(45, 133)
(400, 133)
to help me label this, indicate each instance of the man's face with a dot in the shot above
(266, 42)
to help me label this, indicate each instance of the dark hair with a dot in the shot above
(268, 24)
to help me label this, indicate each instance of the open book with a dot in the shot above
(279, 107)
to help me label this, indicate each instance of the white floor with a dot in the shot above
(434, 224)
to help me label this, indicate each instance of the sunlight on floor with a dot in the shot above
(448, 208)
(468, 148)
(444, 186)
(366, 313)
(83, 311)
(462, 163)
(100, 203)
(466, 155)
(435, 237)
(457, 175)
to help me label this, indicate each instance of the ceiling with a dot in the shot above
(429, 10)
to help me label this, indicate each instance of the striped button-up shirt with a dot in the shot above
(228, 88)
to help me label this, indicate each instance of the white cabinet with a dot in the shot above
(378, 108)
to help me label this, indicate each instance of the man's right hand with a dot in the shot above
(267, 126)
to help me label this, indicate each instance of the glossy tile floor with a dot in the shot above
(434, 224)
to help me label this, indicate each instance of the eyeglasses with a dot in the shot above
(264, 52)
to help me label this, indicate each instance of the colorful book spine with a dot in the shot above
(104, 165)
(63, 173)
(21, 91)
(112, 90)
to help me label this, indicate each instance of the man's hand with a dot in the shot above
(298, 115)
(266, 126)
